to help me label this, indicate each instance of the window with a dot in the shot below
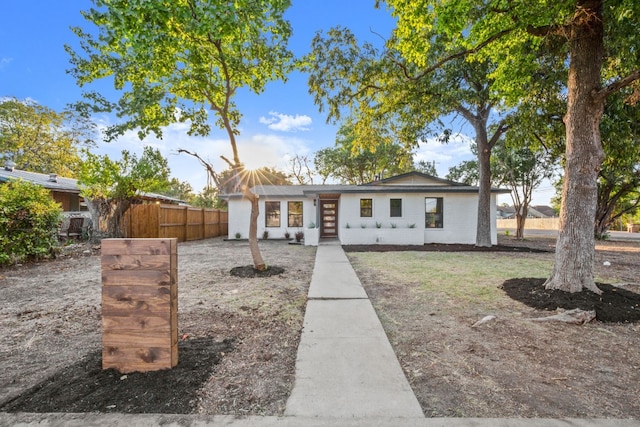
(272, 214)
(294, 214)
(433, 212)
(395, 208)
(366, 208)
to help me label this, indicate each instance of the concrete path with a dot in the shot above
(346, 367)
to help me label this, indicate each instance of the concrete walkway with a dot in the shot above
(346, 367)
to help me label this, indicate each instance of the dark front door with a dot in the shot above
(328, 218)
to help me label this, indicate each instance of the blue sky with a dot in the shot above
(277, 124)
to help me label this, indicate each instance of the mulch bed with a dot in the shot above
(85, 387)
(615, 304)
(250, 271)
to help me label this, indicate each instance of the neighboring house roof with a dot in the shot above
(51, 182)
(54, 182)
(506, 211)
(412, 182)
(545, 211)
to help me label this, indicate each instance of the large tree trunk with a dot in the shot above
(575, 247)
(483, 226)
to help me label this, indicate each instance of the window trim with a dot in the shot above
(370, 208)
(391, 215)
(266, 213)
(301, 214)
(439, 210)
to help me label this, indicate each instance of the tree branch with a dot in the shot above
(617, 85)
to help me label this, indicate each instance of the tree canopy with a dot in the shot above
(174, 61)
(110, 186)
(38, 139)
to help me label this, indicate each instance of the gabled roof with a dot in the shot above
(412, 182)
(65, 185)
(414, 178)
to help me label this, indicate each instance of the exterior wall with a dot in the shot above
(240, 212)
(459, 219)
(70, 201)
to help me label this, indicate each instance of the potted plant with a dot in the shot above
(299, 236)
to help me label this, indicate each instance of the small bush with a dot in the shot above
(29, 219)
(287, 235)
(238, 235)
(265, 235)
(378, 225)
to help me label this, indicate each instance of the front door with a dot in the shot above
(328, 218)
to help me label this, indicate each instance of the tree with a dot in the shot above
(180, 190)
(388, 93)
(521, 168)
(176, 61)
(597, 39)
(301, 169)
(38, 139)
(619, 177)
(353, 161)
(110, 187)
(428, 168)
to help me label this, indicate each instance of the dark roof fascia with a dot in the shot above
(359, 189)
(423, 189)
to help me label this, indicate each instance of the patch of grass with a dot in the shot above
(458, 278)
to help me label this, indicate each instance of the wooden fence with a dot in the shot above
(185, 223)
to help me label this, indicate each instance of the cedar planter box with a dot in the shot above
(139, 304)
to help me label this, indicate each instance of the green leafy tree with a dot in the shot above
(176, 61)
(353, 161)
(110, 187)
(522, 168)
(619, 177)
(38, 139)
(180, 190)
(29, 218)
(597, 39)
(425, 167)
(388, 93)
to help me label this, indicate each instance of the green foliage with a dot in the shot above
(102, 178)
(357, 161)
(174, 60)
(111, 185)
(38, 139)
(29, 218)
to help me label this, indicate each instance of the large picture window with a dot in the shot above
(272, 214)
(294, 214)
(433, 214)
(366, 208)
(395, 208)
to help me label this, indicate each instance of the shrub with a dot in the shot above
(29, 219)
(265, 234)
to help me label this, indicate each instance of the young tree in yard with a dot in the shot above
(521, 168)
(597, 39)
(177, 60)
(38, 139)
(111, 186)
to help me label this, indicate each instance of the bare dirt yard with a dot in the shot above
(239, 336)
(510, 366)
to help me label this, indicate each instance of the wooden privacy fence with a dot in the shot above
(184, 223)
(531, 223)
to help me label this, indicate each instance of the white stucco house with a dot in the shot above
(409, 209)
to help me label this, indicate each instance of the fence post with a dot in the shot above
(139, 304)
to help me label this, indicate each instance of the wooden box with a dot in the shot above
(139, 304)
